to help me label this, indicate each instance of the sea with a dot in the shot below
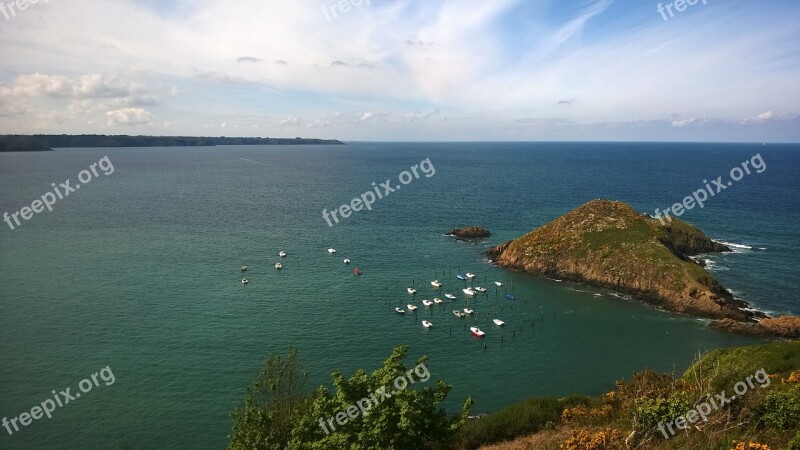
(139, 272)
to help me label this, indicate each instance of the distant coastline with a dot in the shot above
(46, 142)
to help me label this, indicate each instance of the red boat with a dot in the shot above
(477, 332)
(356, 271)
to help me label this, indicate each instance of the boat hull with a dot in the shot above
(477, 332)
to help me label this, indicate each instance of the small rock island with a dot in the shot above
(609, 244)
(470, 233)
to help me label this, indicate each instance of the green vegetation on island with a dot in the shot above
(609, 244)
(39, 142)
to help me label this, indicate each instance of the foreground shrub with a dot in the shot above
(608, 439)
(749, 446)
(650, 412)
(782, 409)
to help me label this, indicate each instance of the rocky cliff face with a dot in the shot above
(787, 327)
(689, 240)
(609, 244)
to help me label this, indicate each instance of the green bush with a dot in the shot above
(650, 412)
(794, 444)
(781, 409)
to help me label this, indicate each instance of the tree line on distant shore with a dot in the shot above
(44, 142)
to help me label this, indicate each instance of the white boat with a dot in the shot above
(468, 311)
(427, 302)
(461, 277)
(498, 322)
(458, 313)
(477, 332)
(470, 275)
(331, 251)
(244, 281)
(244, 268)
(282, 254)
(438, 301)
(469, 292)
(436, 284)
(411, 291)
(498, 284)
(480, 289)
(426, 324)
(399, 310)
(411, 307)
(278, 266)
(346, 261)
(450, 296)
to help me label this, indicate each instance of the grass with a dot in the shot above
(729, 366)
(616, 238)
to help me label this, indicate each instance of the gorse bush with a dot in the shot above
(650, 412)
(781, 409)
(608, 439)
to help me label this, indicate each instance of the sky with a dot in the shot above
(401, 70)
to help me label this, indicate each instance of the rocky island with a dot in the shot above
(608, 244)
(470, 233)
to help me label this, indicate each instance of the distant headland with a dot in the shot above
(46, 142)
(609, 244)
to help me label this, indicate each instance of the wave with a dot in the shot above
(739, 246)
(579, 290)
(736, 294)
(768, 312)
(713, 265)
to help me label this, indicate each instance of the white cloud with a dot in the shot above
(680, 123)
(129, 116)
(770, 116)
(92, 85)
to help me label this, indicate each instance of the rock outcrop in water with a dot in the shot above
(787, 327)
(609, 244)
(470, 233)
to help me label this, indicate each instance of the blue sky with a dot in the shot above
(405, 70)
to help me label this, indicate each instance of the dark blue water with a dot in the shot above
(139, 271)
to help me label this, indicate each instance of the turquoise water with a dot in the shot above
(139, 271)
